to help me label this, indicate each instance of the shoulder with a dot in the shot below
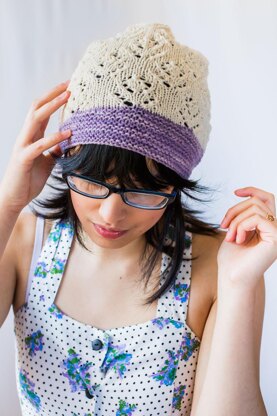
(203, 290)
(204, 266)
(24, 239)
(202, 244)
(26, 227)
(25, 232)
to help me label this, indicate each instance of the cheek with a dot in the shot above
(149, 219)
(80, 204)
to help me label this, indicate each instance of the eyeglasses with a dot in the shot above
(143, 199)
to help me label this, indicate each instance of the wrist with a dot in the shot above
(8, 208)
(230, 286)
(235, 303)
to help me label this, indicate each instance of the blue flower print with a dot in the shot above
(117, 359)
(42, 298)
(56, 232)
(181, 292)
(27, 389)
(162, 322)
(77, 373)
(55, 311)
(70, 229)
(167, 374)
(66, 225)
(125, 409)
(178, 395)
(188, 346)
(54, 235)
(41, 269)
(57, 266)
(34, 342)
(86, 414)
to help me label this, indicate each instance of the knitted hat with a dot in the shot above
(141, 90)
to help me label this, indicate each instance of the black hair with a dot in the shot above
(168, 235)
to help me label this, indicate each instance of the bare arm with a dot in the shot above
(27, 172)
(7, 258)
(8, 220)
(18, 243)
(227, 380)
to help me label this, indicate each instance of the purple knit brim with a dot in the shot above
(139, 130)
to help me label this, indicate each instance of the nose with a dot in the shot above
(112, 209)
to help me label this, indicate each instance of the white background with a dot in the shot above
(41, 43)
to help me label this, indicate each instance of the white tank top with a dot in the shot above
(65, 367)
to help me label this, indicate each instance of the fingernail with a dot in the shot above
(64, 95)
(66, 132)
(229, 232)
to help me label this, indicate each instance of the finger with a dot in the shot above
(50, 107)
(267, 197)
(253, 210)
(264, 227)
(240, 207)
(44, 144)
(54, 152)
(36, 123)
(50, 95)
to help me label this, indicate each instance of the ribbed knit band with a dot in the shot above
(142, 91)
(139, 130)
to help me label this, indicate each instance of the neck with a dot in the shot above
(128, 254)
(121, 264)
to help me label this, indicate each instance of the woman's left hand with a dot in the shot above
(250, 246)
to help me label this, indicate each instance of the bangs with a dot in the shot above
(129, 169)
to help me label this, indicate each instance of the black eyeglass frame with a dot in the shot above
(121, 191)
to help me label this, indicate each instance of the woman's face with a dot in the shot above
(113, 213)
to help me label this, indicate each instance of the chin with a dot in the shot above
(109, 243)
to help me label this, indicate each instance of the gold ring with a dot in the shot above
(269, 217)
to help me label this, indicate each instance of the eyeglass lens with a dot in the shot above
(96, 190)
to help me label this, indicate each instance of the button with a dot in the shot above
(89, 396)
(97, 344)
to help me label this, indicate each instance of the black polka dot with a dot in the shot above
(131, 370)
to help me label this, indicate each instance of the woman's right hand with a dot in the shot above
(28, 168)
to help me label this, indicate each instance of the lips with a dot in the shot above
(108, 233)
(110, 229)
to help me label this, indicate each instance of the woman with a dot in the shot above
(124, 301)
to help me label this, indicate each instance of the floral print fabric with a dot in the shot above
(65, 367)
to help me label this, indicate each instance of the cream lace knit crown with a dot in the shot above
(141, 90)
